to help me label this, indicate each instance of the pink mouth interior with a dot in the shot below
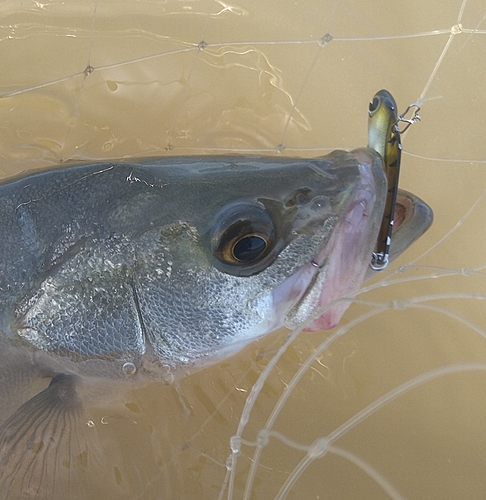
(347, 258)
(331, 280)
(344, 258)
(345, 266)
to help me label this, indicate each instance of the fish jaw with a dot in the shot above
(338, 269)
(347, 260)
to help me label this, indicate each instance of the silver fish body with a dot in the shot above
(119, 261)
(132, 270)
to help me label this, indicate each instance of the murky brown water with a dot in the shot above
(264, 80)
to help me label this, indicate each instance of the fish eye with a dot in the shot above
(243, 238)
(249, 248)
(374, 105)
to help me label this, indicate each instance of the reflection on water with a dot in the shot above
(390, 403)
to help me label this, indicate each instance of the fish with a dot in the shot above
(148, 270)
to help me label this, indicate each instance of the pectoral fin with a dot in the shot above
(48, 447)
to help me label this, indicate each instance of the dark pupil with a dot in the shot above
(249, 248)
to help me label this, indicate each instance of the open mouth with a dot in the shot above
(336, 272)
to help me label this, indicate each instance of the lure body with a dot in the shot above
(384, 137)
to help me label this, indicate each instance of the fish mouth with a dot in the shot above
(330, 280)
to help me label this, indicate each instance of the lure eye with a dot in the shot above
(242, 239)
(374, 105)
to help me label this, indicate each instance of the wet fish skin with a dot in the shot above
(114, 260)
(110, 270)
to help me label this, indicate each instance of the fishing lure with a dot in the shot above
(384, 137)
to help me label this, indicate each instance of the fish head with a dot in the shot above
(260, 245)
(182, 261)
